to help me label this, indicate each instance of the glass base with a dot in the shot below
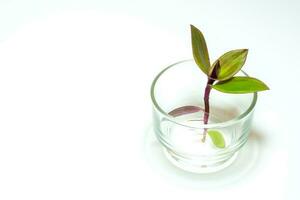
(195, 166)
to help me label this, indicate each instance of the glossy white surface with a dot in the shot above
(75, 109)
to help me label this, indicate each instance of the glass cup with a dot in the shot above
(178, 110)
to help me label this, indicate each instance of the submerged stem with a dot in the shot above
(206, 105)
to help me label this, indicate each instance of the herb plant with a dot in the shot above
(220, 76)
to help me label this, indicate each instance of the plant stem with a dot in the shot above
(206, 105)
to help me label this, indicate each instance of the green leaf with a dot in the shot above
(200, 51)
(240, 85)
(217, 138)
(230, 63)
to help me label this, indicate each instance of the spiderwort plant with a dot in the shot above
(220, 76)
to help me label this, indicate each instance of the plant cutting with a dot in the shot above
(220, 76)
(203, 130)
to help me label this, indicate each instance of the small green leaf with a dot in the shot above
(230, 63)
(200, 51)
(240, 85)
(217, 138)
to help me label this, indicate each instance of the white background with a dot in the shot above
(75, 110)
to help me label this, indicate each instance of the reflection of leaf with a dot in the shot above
(240, 85)
(184, 110)
(200, 51)
(217, 138)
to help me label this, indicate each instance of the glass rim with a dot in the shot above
(210, 125)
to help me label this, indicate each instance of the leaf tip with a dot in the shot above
(193, 27)
(266, 87)
(245, 51)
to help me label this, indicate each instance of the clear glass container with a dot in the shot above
(178, 111)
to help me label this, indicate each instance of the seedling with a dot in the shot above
(220, 76)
